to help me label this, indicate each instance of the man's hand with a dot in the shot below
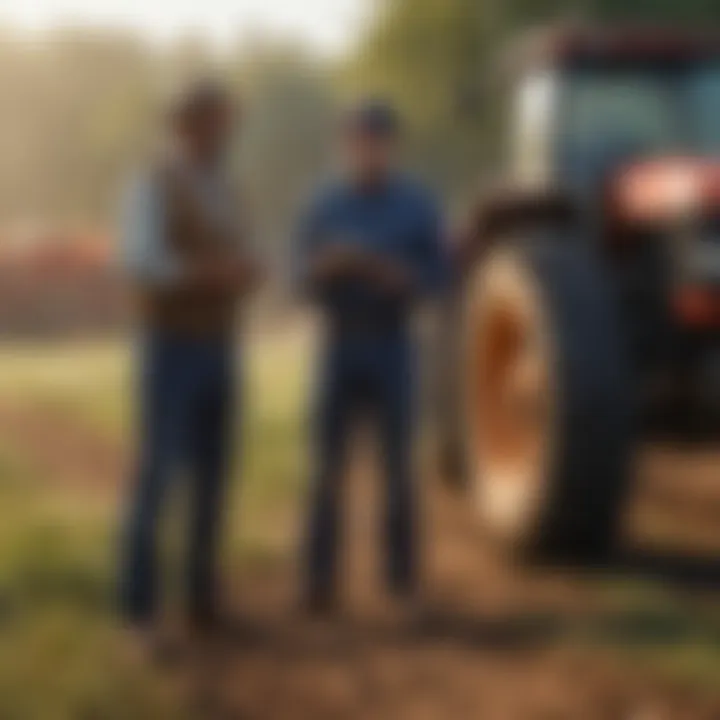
(390, 276)
(240, 277)
(340, 261)
(348, 261)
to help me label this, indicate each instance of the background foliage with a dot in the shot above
(78, 106)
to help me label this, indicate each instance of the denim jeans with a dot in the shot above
(372, 375)
(186, 402)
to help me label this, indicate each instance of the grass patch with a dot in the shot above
(58, 547)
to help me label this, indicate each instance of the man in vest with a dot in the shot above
(370, 248)
(185, 250)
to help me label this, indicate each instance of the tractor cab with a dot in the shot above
(586, 105)
(583, 338)
(625, 126)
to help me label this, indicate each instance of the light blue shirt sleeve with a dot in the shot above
(144, 253)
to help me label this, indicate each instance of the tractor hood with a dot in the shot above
(666, 188)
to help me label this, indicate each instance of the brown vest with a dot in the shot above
(195, 235)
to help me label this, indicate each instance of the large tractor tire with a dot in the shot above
(549, 403)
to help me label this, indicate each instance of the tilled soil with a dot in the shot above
(493, 641)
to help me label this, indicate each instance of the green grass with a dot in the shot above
(58, 547)
(91, 387)
(91, 383)
(58, 646)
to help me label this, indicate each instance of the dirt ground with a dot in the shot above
(492, 641)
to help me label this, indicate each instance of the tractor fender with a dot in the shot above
(509, 211)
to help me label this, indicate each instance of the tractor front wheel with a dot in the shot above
(548, 404)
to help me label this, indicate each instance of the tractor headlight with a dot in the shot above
(656, 192)
(681, 192)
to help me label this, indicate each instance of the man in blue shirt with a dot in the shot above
(369, 249)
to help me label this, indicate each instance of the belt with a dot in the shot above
(358, 325)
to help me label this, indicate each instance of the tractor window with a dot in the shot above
(704, 100)
(612, 117)
(619, 108)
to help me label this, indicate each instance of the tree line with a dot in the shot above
(78, 106)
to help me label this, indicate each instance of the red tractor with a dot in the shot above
(592, 309)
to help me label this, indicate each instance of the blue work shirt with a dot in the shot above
(397, 220)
